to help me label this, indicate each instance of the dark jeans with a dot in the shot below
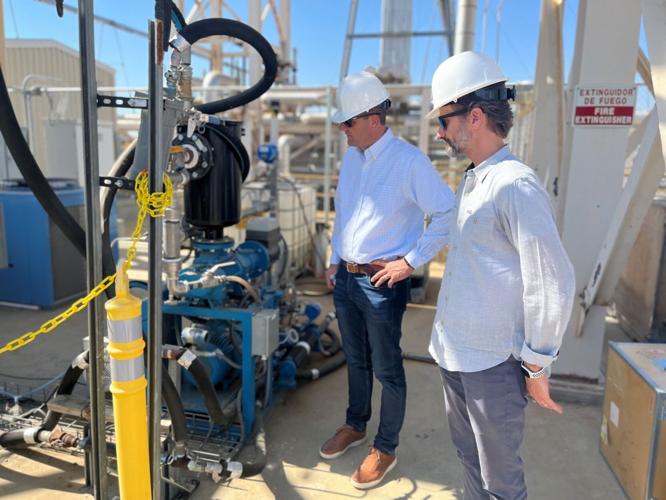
(370, 323)
(486, 414)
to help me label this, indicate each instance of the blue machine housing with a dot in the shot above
(249, 260)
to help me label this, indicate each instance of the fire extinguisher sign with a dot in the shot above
(604, 106)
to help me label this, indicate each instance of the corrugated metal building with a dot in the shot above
(56, 116)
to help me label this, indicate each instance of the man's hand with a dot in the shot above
(394, 271)
(538, 389)
(330, 275)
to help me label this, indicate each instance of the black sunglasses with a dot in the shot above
(350, 123)
(442, 118)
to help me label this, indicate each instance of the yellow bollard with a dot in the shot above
(128, 386)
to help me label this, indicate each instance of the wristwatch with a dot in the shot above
(544, 372)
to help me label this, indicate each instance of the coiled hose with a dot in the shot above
(234, 29)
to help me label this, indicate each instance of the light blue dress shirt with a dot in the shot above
(382, 197)
(509, 285)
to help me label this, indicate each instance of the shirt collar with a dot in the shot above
(483, 168)
(380, 145)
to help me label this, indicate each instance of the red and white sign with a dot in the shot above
(604, 106)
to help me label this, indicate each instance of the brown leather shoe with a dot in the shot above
(344, 438)
(373, 469)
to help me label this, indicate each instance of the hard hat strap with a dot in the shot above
(494, 93)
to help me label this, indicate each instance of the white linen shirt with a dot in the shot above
(382, 197)
(508, 286)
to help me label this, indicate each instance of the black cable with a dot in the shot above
(234, 29)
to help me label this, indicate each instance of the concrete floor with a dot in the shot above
(561, 454)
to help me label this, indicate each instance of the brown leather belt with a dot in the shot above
(367, 269)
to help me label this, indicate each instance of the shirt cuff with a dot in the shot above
(335, 260)
(414, 259)
(536, 358)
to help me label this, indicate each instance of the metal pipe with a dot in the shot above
(465, 22)
(346, 54)
(173, 235)
(327, 157)
(93, 245)
(155, 91)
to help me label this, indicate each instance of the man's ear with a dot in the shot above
(375, 120)
(476, 118)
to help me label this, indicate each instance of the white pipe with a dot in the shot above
(465, 21)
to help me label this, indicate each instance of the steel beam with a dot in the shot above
(155, 100)
(591, 177)
(547, 141)
(93, 247)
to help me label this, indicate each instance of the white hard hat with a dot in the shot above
(460, 75)
(357, 94)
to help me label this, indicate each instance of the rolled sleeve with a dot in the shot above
(546, 271)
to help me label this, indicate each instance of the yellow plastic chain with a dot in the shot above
(153, 204)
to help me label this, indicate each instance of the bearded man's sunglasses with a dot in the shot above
(442, 119)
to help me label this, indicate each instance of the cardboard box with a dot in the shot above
(633, 427)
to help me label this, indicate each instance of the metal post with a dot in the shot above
(155, 91)
(27, 106)
(346, 54)
(2, 38)
(327, 156)
(93, 245)
(465, 24)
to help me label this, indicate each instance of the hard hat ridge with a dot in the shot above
(464, 74)
(358, 93)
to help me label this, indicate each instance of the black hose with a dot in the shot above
(177, 17)
(16, 438)
(228, 27)
(256, 466)
(120, 169)
(335, 343)
(66, 386)
(236, 146)
(24, 437)
(39, 185)
(207, 390)
(331, 364)
(175, 407)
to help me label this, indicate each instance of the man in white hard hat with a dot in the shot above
(508, 288)
(386, 188)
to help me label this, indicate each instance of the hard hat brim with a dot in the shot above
(434, 112)
(339, 117)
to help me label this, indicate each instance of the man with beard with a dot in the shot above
(386, 188)
(508, 288)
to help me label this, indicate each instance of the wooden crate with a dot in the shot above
(633, 427)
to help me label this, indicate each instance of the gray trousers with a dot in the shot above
(486, 413)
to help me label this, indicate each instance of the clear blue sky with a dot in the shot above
(318, 30)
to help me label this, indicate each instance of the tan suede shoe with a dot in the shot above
(344, 438)
(373, 469)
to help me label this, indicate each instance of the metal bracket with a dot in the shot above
(117, 182)
(112, 101)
